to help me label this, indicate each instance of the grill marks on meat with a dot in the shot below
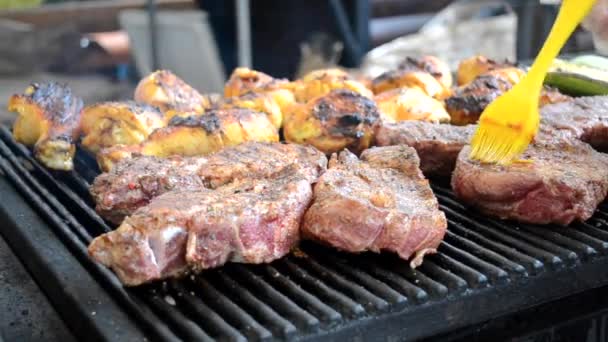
(381, 202)
(249, 221)
(565, 182)
(132, 183)
(437, 145)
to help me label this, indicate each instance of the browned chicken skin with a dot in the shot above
(338, 120)
(431, 64)
(245, 80)
(427, 73)
(198, 135)
(468, 102)
(321, 82)
(470, 68)
(170, 93)
(109, 124)
(259, 102)
(49, 120)
(410, 104)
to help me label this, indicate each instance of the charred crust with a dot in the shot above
(56, 100)
(210, 122)
(475, 97)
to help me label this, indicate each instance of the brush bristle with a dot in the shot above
(497, 145)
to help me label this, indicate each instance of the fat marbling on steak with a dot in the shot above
(437, 145)
(248, 221)
(133, 182)
(560, 181)
(381, 202)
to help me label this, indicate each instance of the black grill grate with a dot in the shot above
(485, 268)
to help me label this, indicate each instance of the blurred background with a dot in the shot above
(102, 47)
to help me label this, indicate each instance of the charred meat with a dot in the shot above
(468, 102)
(182, 231)
(338, 120)
(379, 203)
(49, 121)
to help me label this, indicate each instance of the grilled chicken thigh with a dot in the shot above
(428, 74)
(321, 82)
(338, 120)
(410, 104)
(163, 89)
(109, 124)
(198, 135)
(471, 68)
(49, 120)
(243, 81)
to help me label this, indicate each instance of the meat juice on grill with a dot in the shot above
(248, 221)
(379, 203)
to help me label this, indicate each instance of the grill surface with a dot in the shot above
(485, 268)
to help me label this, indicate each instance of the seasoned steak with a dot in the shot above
(562, 181)
(249, 221)
(437, 145)
(381, 202)
(584, 118)
(134, 182)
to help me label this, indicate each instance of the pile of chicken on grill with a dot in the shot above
(197, 180)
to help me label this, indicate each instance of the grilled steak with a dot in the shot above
(249, 221)
(584, 118)
(381, 202)
(564, 182)
(437, 145)
(132, 183)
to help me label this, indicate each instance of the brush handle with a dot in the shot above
(571, 14)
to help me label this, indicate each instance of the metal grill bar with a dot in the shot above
(320, 292)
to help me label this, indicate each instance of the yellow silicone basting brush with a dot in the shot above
(509, 123)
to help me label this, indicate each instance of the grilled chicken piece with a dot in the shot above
(473, 67)
(428, 74)
(49, 120)
(134, 182)
(259, 102)
(468, 102)
(431, 64)
(198, 135)
(379, 203)
(109, 124)
(247, 222)
(321, 82)
(410, 104)
(338, 120)
(244, 80)
(163, 89)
